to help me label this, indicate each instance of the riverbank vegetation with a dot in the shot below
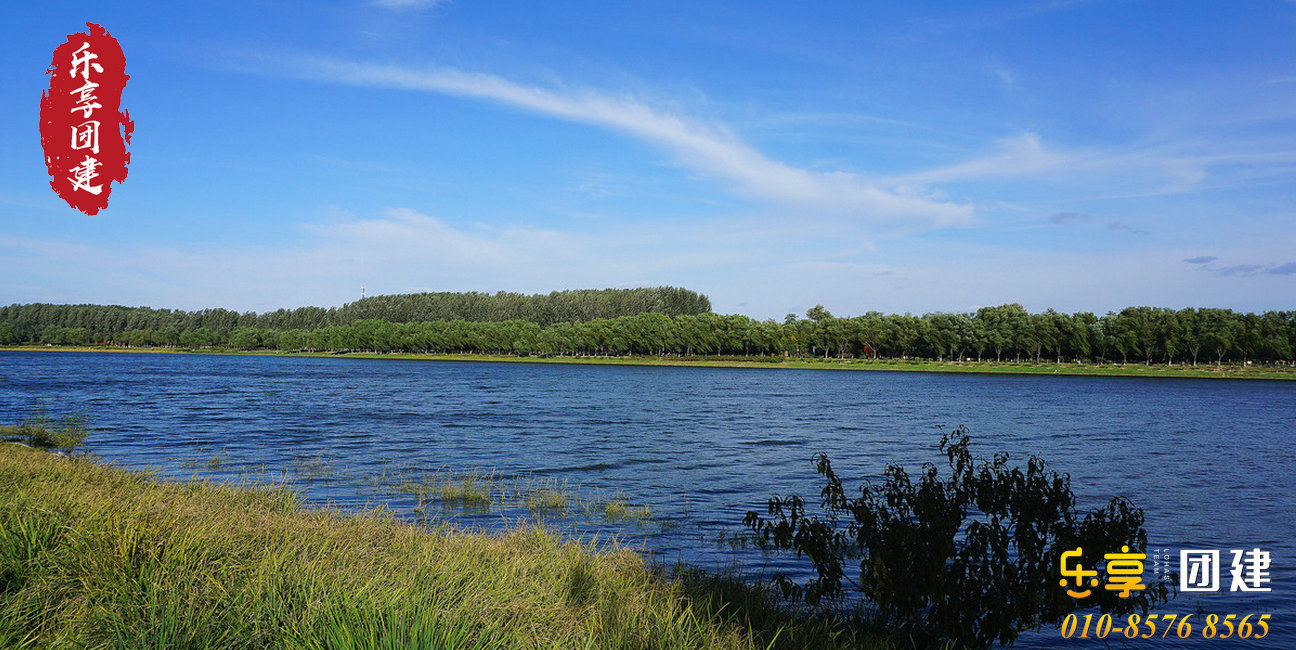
(971, 557)
(1006, 334)
(1229, 370)
(546, 497)
(92, 556)
(40, 431)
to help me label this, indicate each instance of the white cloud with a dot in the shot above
(1023, 155)
(709, 148)
(1140, 169)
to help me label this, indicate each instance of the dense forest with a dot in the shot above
(670, 321)
(29, 323)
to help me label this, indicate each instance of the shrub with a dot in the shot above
(973, 558)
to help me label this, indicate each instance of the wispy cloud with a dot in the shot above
(1067, 218)
(986, 19)
(708, 147)
(1023, 155)
(1246, 270)
(1168, 165)
(1072, 218)
(1121, 226)
(408, 4)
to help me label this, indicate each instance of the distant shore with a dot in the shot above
(1202, 371)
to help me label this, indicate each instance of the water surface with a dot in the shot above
(1209, 461)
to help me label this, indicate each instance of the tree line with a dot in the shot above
(29, 323)
(1008, 332)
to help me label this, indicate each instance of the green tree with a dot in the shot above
(942, 334)
(292, 340)
(1036, 335)
(1192, 333)
(1221, 326)
(1138, 330)
(818, 313)
(196, 338)
(167, 336)
(1005, 326)
(972, 558)
(872, 329)
(907, 330)
(139, 338)
(1082, 334)
(1169, 333)
(51, 335)
(1275, 345)
(1248, 337)
(1060, 336)
(245, 338)
(8, 334)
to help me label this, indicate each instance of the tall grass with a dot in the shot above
(481, 491)
(92, 556)
(41, 431)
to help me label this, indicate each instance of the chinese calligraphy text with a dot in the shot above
(83, 129)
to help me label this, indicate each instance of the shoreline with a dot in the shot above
(1204, 371)
(114, 555)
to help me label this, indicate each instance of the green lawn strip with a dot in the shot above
(1204, 371)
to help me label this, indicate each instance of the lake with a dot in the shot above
(1209, 461)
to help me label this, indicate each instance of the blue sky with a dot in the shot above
(933, 157)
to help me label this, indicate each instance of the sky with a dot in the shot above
(899, 157)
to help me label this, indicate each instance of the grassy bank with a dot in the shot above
(1202, 371)
(92, 556)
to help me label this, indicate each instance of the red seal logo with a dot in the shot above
(83, 130)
